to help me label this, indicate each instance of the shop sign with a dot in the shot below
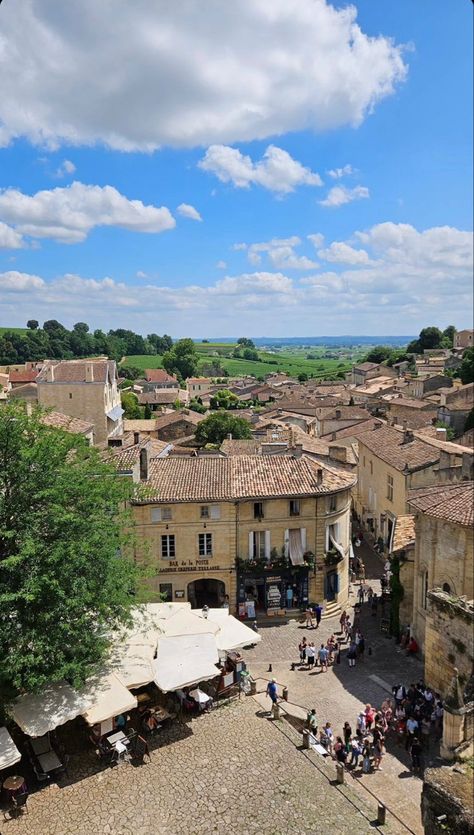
(188, 565)
(179, 594)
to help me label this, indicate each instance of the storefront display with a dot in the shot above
(272, 590)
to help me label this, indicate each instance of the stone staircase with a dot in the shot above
(331, 609)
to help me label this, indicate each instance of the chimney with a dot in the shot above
(89, 372)
(279, 411)
(405, 425)
(319, 476)
(144, 464)
(136, 438)
(50, 373)
(441, 433)
(298, 451)
(333, 436)
(229, 436)
(408, 436)
(338, 414)
(338, 453)
(467, 470)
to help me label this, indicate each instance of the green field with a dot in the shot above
(292, 361)
(21, 331)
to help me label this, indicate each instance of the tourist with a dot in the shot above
(272, 691)
(347, 734)
(355, 751)
(351, 654)
(369, 716)
(318, 611)
(370, 594)
(378, 752)
(412, 647)
(310, 654)
(361, 723)
(327, 737)
(323, 657)
(340, 750)
(366, 755)
(302, 648)
(312, 722)
(373, 604)
(361, 646)
(412, 727)
(400, 693)
(361, 594)
(330, 646)
(289, 597)
(415, 753)
(309, 618)
(342, 622)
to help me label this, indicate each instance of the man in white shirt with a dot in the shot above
(412, 728)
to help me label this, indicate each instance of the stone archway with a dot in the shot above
(206, 592)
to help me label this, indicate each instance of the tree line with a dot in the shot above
(55, 341)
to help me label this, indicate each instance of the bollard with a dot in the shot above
(339, 772)
(270, 668)
(276, 710)
(253, 687)
(381, 812)
(285, 694)
(306, 740)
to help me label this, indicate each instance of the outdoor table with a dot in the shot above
(49, 761)
(119, 736)
(41, 744)
(160, 714)
(14, 784)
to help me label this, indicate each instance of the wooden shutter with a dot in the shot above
(287, 543)
(251, 548)
(267, 545)
(303, 539)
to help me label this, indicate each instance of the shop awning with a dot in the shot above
(38, 713)
(184, 660)
(189, 622)
(232, 634)
(107, 697)
(134, 664)
(296, 547)
(9, 753)
(115, 413)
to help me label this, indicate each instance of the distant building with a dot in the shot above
(464, 339)
(157, 378)
(85, 389)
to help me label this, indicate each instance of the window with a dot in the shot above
(205, 544)
(166, 592)
(447, 588)
(259, 550)
(212, 511)
(390, 488)
(205, 511)
(258, 510)
(332, 504)
(168, 550)
(70, 395)
(371, 468)
(364, 460)
(161, 514)
(294, 507)
(424, 589)
(166, 514)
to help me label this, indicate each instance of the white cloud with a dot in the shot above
(277, 171)
(337, 173)
(185, 210)
(69, 214)
(66, 167)
(139, 75)
(9, 238)
(280, 252)
(412, 278)
(339, 195)
(221, 265)
(340, 252)
(317, 239)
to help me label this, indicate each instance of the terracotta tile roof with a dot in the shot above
(27, 390)
(453, 502)
(353, 431)
(175, 417)
(246, 446)
(366, 366)
(403, 532)
(158, 397)
(453, 447)
(70, 424)
(139, 425)
(159, 375)
(342, 413)
(126, 458)
(409, 403)
(390, 445)
(28, 376)
(241, 477)
(74, 371)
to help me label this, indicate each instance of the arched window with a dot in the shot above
(447, 588)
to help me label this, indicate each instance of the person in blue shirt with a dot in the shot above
(318, 610)
(272, 691)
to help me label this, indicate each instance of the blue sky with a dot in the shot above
(370, 154)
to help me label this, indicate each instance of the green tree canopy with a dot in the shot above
(224, 399)
(244, 342)
(182, 359)
(466, 372)
(379, 353)
(65, 579)
(132, 411)
(215, 428)
(302, 378)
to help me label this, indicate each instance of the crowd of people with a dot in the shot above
(329, 652)
(412, 716)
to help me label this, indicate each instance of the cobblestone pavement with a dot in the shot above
(341, 693)
(232, 771)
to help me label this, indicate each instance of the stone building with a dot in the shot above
(402, 549)
(249, 527)
(464, 339)
(444, 517)
(85, 389)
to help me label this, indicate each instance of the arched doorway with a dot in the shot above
(206, 592)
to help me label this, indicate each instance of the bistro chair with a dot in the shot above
(140, 749)
(16, 805)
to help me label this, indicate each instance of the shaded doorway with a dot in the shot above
(206, 592)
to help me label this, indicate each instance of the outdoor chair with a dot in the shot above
(16, 806)
(140, 749)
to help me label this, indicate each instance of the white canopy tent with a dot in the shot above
(108, 697)
(38, 713)
(184, 660)
(232, 633)
(133, 664)
(9, 753)
(189, 622)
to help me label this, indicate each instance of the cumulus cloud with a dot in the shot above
(339, 195)
(277, 171)
(69, 214)
(185, 210)
(66, 167)
(337, 173)
(280, 252)
(316, 239)
(412, 276)
(9, 238)
(144, 74)
(340, 252)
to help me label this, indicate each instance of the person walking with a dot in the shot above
(327, 737)
(312, 722)
(361, 726)
(412, 727)
(378, 752)
(351, 654)
(323, 658)
(309, 618)
(340, 750)
(272, 691)
(361, 594)
(302, 648)
(355, 751)
(415, 754)
(310, 654)
(369, 716)
(370, 594)
(361, 647)
(347, 734)
(366, 755)
(342, 622)
(318, 611)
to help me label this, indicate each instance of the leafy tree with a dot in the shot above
(161, 344)
(250, 354)
(132, 411)
(302, 377)
(379, 353)
(216, 427)
(32, 324)
(196, 405)
(131, 372)
(65, 579)
(450, 433)
(245, 343)
(182, 359)
(147, 412)
(224, 399)
(466, 372)
(81, 327)
(469, 421)
(448, 336)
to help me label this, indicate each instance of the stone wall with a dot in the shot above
(448, 640)
(446, 802)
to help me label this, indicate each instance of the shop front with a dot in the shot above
(272, 589)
